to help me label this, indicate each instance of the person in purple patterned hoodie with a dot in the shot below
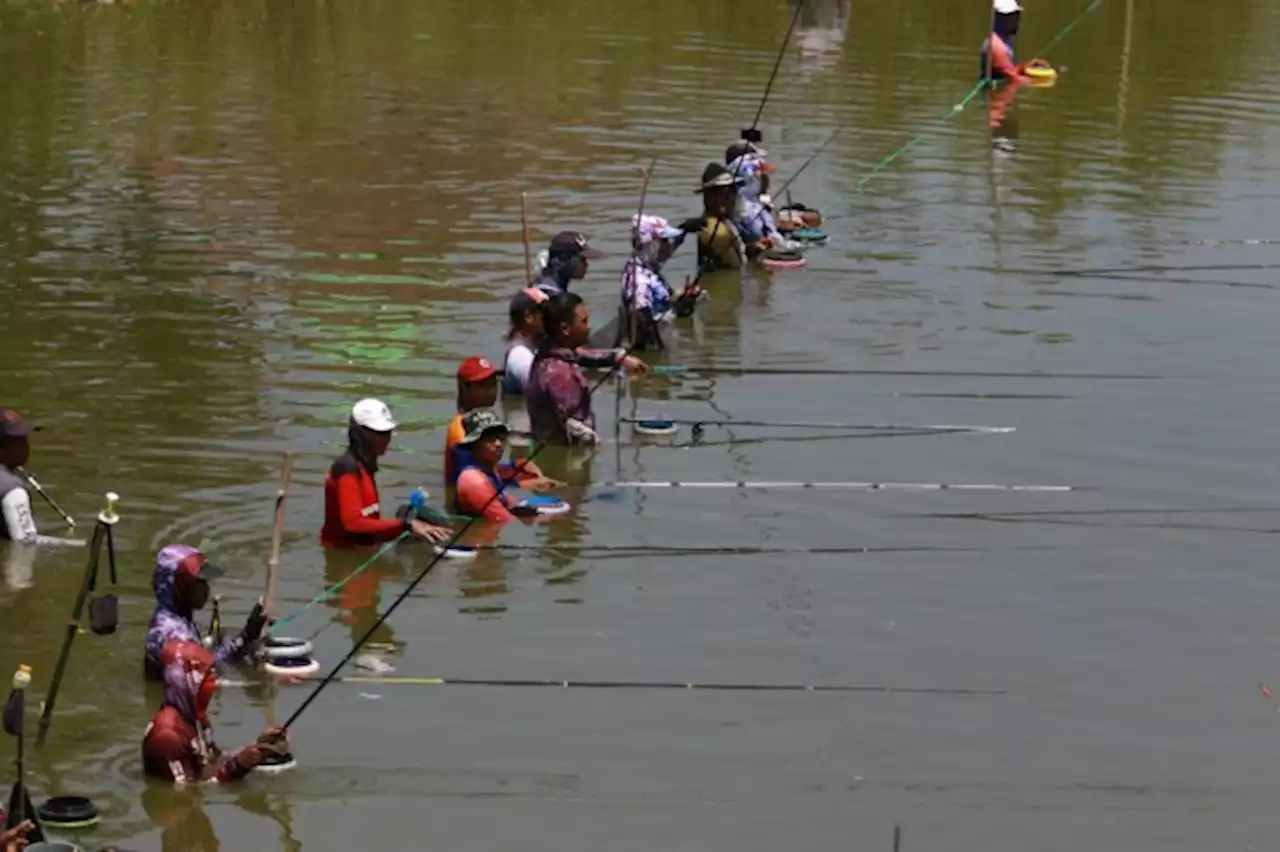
(557, 395)
(181, 586)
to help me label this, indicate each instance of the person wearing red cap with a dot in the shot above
(352, 508)
(178, 745)
(477, 388)
(15, 502)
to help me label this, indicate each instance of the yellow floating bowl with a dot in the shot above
(1038, 73)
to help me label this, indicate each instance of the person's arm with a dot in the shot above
(476, 497)
(519, 365)
(169, 749)
(519, 470)
(564, 392)
(17, 516)
(353, 520)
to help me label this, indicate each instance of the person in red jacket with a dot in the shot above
(352, 511)
(178, 745)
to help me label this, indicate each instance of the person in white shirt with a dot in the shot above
(15, 503)
(522, 339)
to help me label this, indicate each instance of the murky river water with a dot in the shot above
(223, 222)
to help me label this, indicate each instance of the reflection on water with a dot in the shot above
(222, 223)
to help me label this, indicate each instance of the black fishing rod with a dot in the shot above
(681, 369)
(440, 554)
(35, 485)
(672, 684)
(1129, 270)
(807, 162)
(782, 51)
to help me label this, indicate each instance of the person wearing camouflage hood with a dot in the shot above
(181, 586)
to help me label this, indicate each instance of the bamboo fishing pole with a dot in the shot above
(107, 518)
(524, 229)
(277, 531)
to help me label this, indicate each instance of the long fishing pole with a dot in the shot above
(277, 532)
(630, 316)
(35, 485)
(408, 590)
(844, 486)
(681, 369)
(782, 191)
(782, 51)
(740, 550)
(874, 427)
(671, 685)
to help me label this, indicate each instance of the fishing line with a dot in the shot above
(672, 685)
(740, 550)
(1129, 270)
(680, 369)
(441, 551)
(846, 486)
(782, 424)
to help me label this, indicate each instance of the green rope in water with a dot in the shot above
(337, 587)
(964, 102)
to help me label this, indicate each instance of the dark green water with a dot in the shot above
(223, 222)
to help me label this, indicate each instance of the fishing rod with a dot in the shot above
(782, 51)
(739, 550)
(847, 486)
(672, 685)
(1150, 268)
(632, 315)
(807, 162)
(680, 369)
(35, 485)
(441, 552)
(698, 425)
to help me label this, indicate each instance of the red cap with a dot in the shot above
(476, 369)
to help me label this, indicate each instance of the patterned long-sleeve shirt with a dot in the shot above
(168, 622)
(558, 396)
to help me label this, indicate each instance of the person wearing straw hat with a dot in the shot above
(180, 583)
(178, 745)
(648, 301)
(720, 246)
(15, 502)
(352, 508)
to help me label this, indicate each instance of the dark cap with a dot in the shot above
(752, 134)
(571, 243)
(13, 426)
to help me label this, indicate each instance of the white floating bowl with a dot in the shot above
(462, 554)
(655, 427)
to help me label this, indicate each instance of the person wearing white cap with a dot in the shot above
(998, 63)
(352, 510)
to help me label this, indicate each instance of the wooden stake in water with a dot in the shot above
(524, 230)
(277, 531)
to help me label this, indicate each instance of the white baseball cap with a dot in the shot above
(1007, 7)
(373, 414)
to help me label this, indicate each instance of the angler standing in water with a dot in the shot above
(181, 587)
(566, 261)
(15, 450)
(352, 507)
(998, 62)
(178, 745)
(648, 301)
(720, 246)
(558, 395)
(746, 160)
(523, 337)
